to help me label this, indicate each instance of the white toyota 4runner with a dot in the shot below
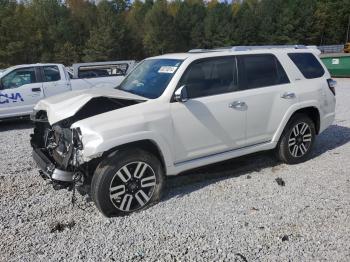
(177, 112)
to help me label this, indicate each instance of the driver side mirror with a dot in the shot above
(181, 94)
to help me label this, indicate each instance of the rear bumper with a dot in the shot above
(48, 169)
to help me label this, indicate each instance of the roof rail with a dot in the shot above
(247, 48)
(198, 50)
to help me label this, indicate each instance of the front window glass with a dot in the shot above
(151, 77)
(210, 77)
(19, 78)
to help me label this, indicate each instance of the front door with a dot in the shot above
(20, 91)
(212, 120)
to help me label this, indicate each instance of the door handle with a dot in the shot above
(288, 95)
(239, 105)
(36, 89)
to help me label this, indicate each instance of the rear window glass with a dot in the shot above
(52, 74)
(103, 70)
(307, 64)
(255, 71)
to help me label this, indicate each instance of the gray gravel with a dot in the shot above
(235, 211)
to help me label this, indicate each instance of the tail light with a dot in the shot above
(332, 84)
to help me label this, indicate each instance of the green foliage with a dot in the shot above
(69, 31)
(66, 54)
(159, 25)
(217, 26)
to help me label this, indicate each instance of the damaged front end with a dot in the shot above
(56, 150)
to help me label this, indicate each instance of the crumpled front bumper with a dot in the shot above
(48, 169)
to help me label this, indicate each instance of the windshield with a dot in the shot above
(151, 77)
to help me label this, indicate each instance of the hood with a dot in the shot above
(66, 105)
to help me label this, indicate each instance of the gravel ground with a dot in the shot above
(234, 211)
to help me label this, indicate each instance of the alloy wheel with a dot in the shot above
(300, 139)
(132, 186)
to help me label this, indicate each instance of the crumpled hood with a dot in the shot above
(65, 105)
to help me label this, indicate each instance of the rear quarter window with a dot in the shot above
(307, 64)
(262, 70)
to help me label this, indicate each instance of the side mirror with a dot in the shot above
(181, 94)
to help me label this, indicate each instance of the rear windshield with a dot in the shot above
(307, 64)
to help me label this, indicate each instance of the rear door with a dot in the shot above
(268, 93)
(20, 90)
(55, 80)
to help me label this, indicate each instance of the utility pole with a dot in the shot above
(347, 33)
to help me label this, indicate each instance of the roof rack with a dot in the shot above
(247, 48)
(198, 50)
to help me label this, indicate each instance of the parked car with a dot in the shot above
(177, 112)
(22, 86)
(347, 48)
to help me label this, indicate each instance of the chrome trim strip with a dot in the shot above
(221, 153)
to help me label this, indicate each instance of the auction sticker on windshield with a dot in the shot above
(167, 69)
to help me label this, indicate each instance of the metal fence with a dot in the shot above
(331, 48)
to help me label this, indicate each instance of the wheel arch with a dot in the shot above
(148, 145)
(311, 111)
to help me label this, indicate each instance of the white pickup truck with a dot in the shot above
(22, 86)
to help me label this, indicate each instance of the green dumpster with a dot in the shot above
(338, 65)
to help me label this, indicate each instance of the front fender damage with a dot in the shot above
(58, 148)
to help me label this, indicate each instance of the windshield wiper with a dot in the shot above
(132, 92)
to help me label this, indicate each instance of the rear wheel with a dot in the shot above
(127, 181)
(297, 140)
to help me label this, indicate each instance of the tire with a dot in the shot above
(126, 181)
(297, 140)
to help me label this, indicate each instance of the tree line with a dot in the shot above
(79, 30)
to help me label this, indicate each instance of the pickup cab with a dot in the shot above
(23, 86)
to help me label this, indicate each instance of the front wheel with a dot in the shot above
(127, 181)
(297, 140)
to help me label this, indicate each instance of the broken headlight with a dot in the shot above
(77, 147)
(78, 144)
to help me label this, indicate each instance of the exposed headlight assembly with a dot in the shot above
(78, 144)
